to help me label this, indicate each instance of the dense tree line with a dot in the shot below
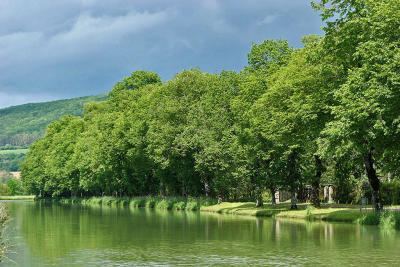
(292, 117)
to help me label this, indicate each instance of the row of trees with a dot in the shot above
(291, 117)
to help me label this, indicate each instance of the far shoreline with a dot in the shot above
(346, 213)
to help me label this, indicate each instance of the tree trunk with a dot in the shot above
(184, 193)
(206, 187)
(373, 179)
(162, 186)
(259, 200)
(316, 182)
(293, 176)
(293, 205)
(273, 196)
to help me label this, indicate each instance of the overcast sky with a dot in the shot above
(55, 49)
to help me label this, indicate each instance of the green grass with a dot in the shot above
(244, 208)
(386, 219)
(13, 151)
(344, 215)
(369, 218)
(17, 197)
(283, 211)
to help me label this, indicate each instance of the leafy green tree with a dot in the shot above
(135, 81)
(15, 187)
(363, 38)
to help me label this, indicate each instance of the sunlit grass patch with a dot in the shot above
(17, 197)
(245, 208)
(346, 215)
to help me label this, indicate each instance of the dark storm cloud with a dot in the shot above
(66, 48)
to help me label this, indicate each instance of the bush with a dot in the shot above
(207, 202)
(138, 202)
(151, 202)
(370, 218)
(192, 205)
(387, 220)
(124, 202)
(165, 204)
(180, 205)
(309, 210)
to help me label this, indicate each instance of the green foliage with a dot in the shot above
(390, 192)
(370, 218)
(193, 205)
(293, 117)
(135, 81)
(165, 204)
(268, 53)
(180, 205)
(15, 187)
(139, 202)
(309, 210)
(387, 220)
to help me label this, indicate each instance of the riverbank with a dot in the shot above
(172, 203)
(283, 211)
(389, 218)
(17, 197)
(328, 212)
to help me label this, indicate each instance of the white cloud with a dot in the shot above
(268, 19)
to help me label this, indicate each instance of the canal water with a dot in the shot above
(61, 235)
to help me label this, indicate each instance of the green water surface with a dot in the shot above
(61, 235)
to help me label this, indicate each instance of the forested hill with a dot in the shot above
(20, 125)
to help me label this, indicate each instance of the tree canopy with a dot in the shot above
(327, 112)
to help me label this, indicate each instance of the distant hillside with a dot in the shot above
(21, 125)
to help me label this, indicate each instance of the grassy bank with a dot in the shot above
(386, 219)
(191, 204)
(17, 197)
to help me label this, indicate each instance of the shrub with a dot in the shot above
(151, 202)
(207, 202)
(138, 202)
(192, 205)
(107, 201)
(387, 220)
(124, 202)
(165, 204)
(370, 218)
(309, 210)
(180, 205)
